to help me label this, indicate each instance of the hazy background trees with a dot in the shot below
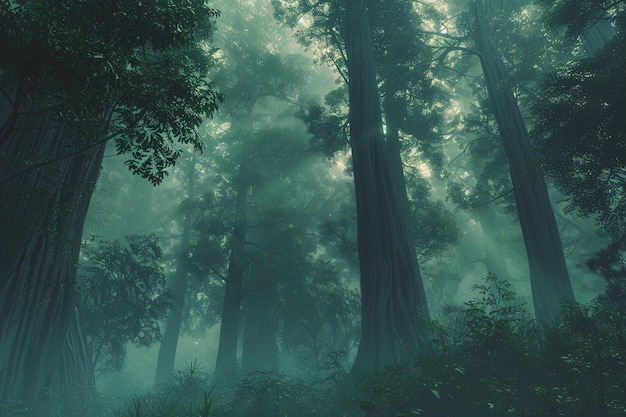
(367, 191)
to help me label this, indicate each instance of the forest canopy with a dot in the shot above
(331, 207)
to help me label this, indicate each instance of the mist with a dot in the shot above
(335, 208)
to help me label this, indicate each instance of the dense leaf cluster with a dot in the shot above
(610, 264)
(580, 135)
(133, 71)
(122, 290)
(579, 15)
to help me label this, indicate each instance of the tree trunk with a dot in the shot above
(260, 346)
(391, 304)
(178, 288)
(42, 214)
(549, 278)
(226, 362)
(394, 155)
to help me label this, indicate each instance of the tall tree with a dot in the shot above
(74, 75)
(254, 75)
(393, 297)
(226, 361)
(549, 277)
(178, 288)
(393, 300)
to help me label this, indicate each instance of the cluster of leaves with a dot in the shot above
(579, 15)
(319, 315)
(135, 72)
(579, 134)
(261, 394)
(327, 124)
(584, 360)
(610, 264)
(122, 290)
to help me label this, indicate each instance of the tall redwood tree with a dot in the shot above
(72, 76)
(392, 294)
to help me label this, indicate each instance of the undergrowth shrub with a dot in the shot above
(480, 363)
(487, 360)
(271, 394)
(584, 359)
(189, 394)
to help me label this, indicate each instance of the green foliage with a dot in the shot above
(579, 134)
(487, 360)
(122, 290)
(268, 394)
(610, 264)
(135, 72)
(478, 366)
(319, 315)
(434, 224)
(585, 360)
(578, 15)
(327, 126)
(498, 327)
(188, 395)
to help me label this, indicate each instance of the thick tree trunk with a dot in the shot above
(42, 214)
(226, 362)
(178, 288)
(391, 304)
(549, 278)
(396, 166)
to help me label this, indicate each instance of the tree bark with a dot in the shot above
(178, 289)
(391, 304)
(549, 277)
(396, 166)
(42, 214)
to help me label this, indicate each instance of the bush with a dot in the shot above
(487, 360)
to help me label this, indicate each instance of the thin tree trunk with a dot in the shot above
(391, 305)
(226, 362)
(260, 333)
(549, 278)
(178, 288)
(42, 214)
